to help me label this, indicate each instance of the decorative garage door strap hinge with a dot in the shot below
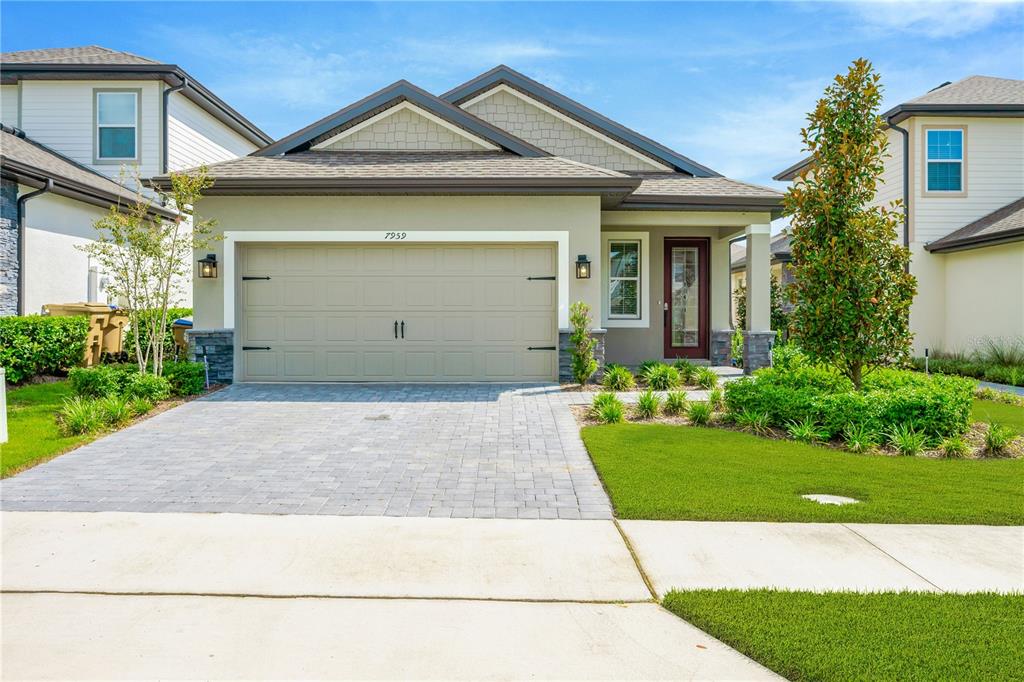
(247, 278)
(550, 278)
(541, 348)
(255, 347)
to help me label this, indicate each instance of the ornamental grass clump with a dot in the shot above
(612, 411)
(998, 438)
(686, 370)
(907, 441)
(859, 439)
(675, 403)
(618, 378)
(955, 447)
(716, 398)
(806, 431)
(752, 422)
(78, 416)
(662, 377)
(115, 410)
(699, 414)
(600, 400)
(706, 378)
(648, 405)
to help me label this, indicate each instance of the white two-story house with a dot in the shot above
(78, 125)
(957, 163)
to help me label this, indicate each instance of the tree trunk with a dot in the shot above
(857, 373)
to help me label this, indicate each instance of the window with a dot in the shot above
(624, 279)
(945, 160)
(117, 125)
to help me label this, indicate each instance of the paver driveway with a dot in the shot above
(470, 450)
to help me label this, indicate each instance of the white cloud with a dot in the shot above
(935, 19)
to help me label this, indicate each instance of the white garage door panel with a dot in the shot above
(328, 312)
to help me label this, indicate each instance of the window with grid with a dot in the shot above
(945, 160)
(624, 280)
(117, 125)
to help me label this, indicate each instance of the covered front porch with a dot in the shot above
(667, 287)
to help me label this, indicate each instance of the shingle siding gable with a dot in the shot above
(404, 131)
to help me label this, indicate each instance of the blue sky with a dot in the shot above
(727, 84)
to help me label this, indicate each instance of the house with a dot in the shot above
(957, 163)
(414, 237)
(780, 259)
(78, 125)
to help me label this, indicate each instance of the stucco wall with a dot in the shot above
(404, 130)
(984, 295)
(553, 134)
(579, 216)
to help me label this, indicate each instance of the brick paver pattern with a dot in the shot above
(470, 450)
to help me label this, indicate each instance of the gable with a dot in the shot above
(405, 127)
(554, 132)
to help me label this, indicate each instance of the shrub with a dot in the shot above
(686, 370)
(600, 400)
(185, 378)
(114, 410)
(986, 393)
(1012, 376)
(101, 380)
(140, 406)
(859, 438)
(644, 367)
(752, 422)
(78, 416)
(998, 438)
(148, 386)
(706, 377)
(662, 377)
(955, 446)
(612, 412)
(675, 402)
(648, 404)
(144, 316)
(582, 343)
(736, 348)
(906, 440)
(806, 431)
(618, 378)
(1003, 351)
(788, 356)
(716, 398)
(34, 345)
(699, 414)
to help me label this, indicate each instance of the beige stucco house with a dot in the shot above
(957, 163)
(79, 123)
(414, 237)
(780, 268)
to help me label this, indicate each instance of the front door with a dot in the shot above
(686, 298)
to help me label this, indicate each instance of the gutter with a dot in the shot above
(167, 93)
(977, 242)
(906, 184)
(463, 185)
(22, 230)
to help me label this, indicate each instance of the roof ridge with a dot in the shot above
(608, 171)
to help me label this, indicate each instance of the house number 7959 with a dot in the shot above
(395, 235)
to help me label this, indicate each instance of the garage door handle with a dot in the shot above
(550, 278)
(403, 329)
(541, 348)
(255, 347)
(246, 279)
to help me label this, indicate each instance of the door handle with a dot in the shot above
(665, 313)
(403, 329)
(396, 329)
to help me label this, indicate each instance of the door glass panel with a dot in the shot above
(685, 297)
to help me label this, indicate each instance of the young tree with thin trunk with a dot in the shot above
(852, 288)
(147, 255)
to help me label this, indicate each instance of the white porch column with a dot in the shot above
(720, 301)
(758, 337)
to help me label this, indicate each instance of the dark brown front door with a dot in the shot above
(686, 298)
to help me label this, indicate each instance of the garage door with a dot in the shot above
(437, 312)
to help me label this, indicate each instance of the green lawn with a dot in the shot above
(659, 471)
(32, 432)
(1001, 413)
(880, 636)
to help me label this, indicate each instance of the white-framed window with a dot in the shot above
(117, 125)
(944, 158)
(625, 270)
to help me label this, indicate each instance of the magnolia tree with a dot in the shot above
(147, 256)
(852, 289)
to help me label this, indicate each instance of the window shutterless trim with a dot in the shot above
(638, 279)
(643, 318)
(115, 161)
(930, 193)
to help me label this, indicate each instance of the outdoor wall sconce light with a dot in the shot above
(208, 266)
(582, 267)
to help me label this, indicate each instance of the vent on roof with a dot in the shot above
(937, 87)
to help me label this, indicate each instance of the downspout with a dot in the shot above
(167, 94)
(22, 231)
(906, 185)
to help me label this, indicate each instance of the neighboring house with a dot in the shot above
(964, 191)
(82, 119)
(413, 237)
(780, 270)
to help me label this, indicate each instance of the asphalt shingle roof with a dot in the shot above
(1002, 224)
(975, 90)
(400, 165)
(679, 184)
(89, 54)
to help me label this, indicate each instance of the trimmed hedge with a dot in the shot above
(37, 344)
(187, 378)
(179, 378)
(939, 406)
(1012, 375)
(169, 347)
